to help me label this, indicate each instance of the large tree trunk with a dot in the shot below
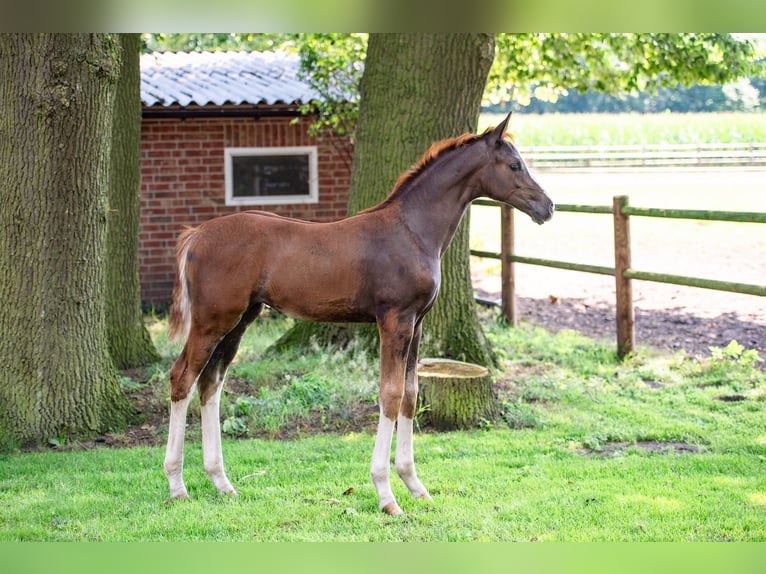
(56, 101)
(416, 89)
(129, 341)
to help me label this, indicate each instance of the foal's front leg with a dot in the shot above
(405, 460)
(395, 338)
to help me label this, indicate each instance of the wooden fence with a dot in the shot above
(680, 155)
(622, 271)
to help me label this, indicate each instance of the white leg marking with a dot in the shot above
(212, 452)
(380, 469)
(174, 453)
(405, 460)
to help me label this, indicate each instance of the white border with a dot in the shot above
(310, 151)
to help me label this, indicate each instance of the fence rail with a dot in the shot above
(622, 271)
(749, 154)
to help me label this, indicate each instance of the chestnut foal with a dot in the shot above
(382, 265)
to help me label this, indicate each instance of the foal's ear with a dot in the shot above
(498, 133)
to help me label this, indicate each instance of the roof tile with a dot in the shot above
(219, 78)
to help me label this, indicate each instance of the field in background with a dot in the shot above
(631, 129)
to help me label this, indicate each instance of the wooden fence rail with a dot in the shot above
(622, 271)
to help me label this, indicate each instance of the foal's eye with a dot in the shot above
(515, 166)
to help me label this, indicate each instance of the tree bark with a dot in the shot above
(56, 101)
(416, 89)
(455, 395)
(129, 341)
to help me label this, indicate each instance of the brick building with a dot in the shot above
(221, 133)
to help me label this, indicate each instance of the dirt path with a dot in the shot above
(667, 317)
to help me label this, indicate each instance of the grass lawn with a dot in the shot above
(588, 449)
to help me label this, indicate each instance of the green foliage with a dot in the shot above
(274, 408)
(172, 42)
(734, 352)
(332, 64)
(732, 366)
(291, 386)
(130, 384)
(519, 415)
(548, 64)
(307, 391)
(283, 392)
(238, 410)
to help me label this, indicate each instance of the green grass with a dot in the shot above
(632, 129)
(564, 464)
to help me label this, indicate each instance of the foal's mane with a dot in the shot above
(437, 150)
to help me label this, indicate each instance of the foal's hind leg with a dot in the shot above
(405, 460)
(183, 376)
(210, 386)
(174, 452)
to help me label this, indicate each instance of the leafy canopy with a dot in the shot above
(546, 65)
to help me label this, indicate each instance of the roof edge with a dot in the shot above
(249, 111)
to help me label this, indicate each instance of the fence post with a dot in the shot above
(507, 273)
(624, 291)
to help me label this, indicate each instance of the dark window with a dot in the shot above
(270, 175)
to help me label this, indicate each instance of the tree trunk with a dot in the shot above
(455, 395)
(56, 102)
(416, 89)
(129, 341)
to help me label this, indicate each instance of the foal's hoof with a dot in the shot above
(425, 496)
(392, 509)
(176, 498)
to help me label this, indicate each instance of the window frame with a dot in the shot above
(309, 151)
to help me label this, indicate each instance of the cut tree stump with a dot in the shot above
(454, 395)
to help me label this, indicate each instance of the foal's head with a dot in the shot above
(506, 178)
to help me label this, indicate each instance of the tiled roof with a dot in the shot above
(218, 78)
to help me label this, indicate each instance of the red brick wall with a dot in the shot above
(182, 183)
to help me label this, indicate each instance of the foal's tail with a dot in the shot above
(180, 309)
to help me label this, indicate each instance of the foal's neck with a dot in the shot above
(434, 203)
